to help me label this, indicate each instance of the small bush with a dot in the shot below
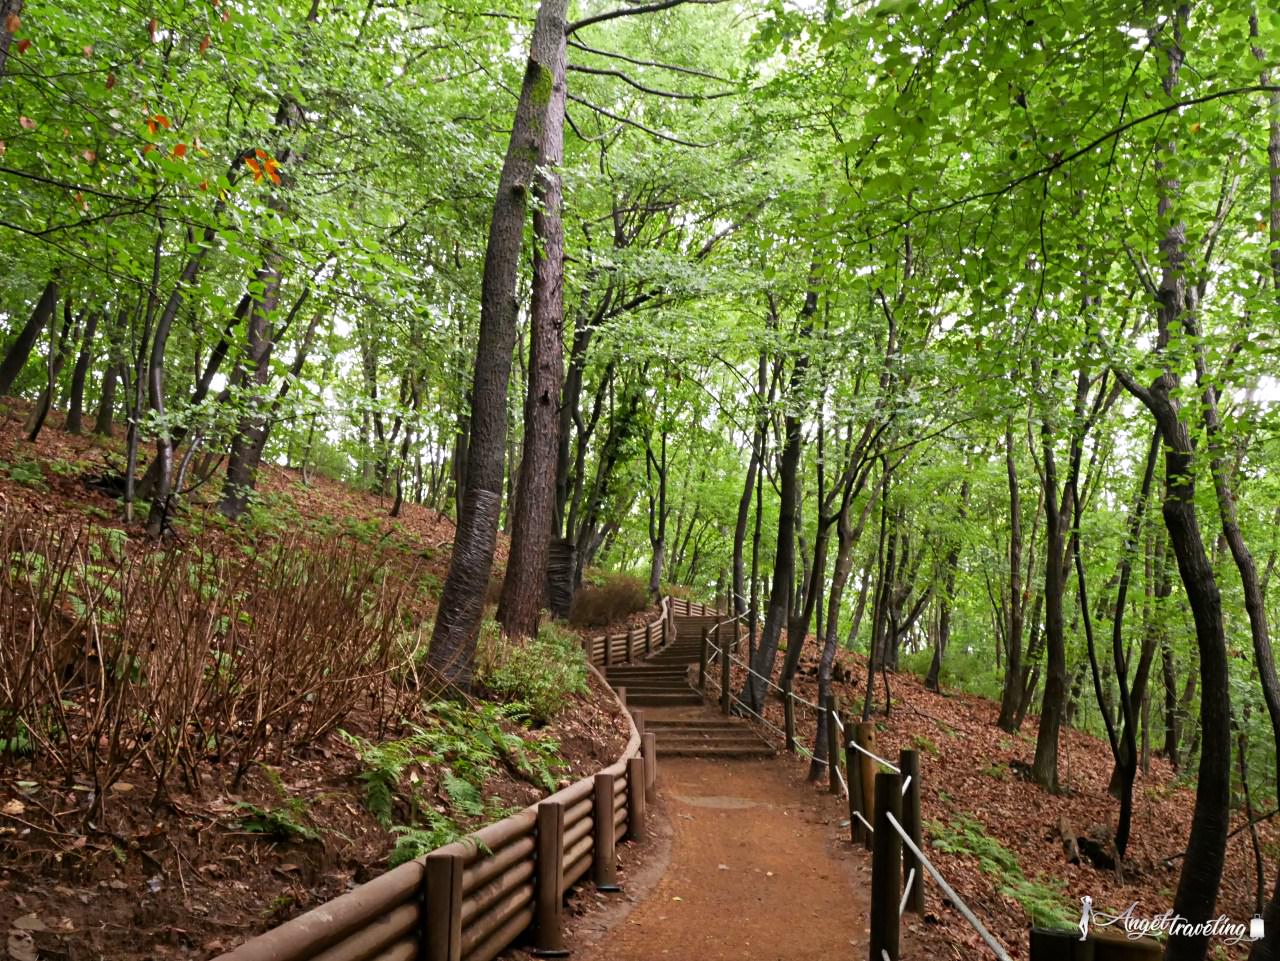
(603, 599)
(543, 672)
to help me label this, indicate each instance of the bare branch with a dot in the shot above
(630, 12)
(675, 68)
(643, 89)
(635, 123)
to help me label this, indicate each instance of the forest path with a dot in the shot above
(760, 867)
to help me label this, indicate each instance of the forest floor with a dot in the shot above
(996, 836)
(195, 873)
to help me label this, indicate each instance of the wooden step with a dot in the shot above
(663, 699)
(760, 750)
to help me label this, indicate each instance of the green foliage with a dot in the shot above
(543, 673)
(282, 822)
(463, 745)
(1044, 899)
(28, 473)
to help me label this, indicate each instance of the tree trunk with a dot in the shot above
(75, 404)
(16, 359)
(524, 589)
(453, 641)
(784, 555)
(59, 347)
(1013, 630)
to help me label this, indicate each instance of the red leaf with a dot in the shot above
(162, 120)
(204, 185)
(87, 50)
(204, 45)
(180, 150)
(261, 154)
(153, 28)
(148, 148)
(26, 123)
(13, 23)
(24, 46)
(111, 80)
(253, 165)
(90, 156)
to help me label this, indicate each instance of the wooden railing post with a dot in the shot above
(703, 656)
(726, 702)
(789, 717)
(441, 914)
(830, 717)
(649, 745)
(886, 869)
(909, 762)
(853, 771)
(604, 865)
(622, 695)
(1065, 945)
(865, 735)
(637, 718)
(608, 650)
(547, 937)
(648, 639)
(635, 798)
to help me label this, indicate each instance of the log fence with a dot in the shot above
(471, 899)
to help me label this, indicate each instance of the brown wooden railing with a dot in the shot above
(469, 900)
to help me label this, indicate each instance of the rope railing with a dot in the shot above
(966, 912)
(898, 849)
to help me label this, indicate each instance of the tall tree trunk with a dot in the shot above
(931, 681)
(1012, 689)
(784, 555)
(524, 588)
(75, 403)
(16, 359)
(1201, 874)
(60, 342)
(453, 641)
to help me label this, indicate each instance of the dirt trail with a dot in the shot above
(759, 868)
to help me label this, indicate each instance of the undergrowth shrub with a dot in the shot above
(115, 656)
(448, 759)
(543, 673)
(604, 598)
(1044, 899)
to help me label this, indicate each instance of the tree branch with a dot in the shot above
(635, 123)
(653, 90)
(675, 68)
(630, 12)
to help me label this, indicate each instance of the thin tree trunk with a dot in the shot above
(75, 403)
(16, 359)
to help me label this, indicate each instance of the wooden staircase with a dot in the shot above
(674, 709)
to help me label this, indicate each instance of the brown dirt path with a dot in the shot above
(759, 868)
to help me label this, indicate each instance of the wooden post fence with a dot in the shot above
(831, 718)
(703, 656)
(604, 865)
(853, 771)
(864, 735)
(635, 798)
(909, 762)
(789, 717)
(726, 702)
(886, 869)
(548, 939)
